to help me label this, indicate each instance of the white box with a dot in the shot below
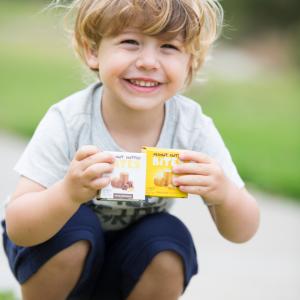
(127, 179)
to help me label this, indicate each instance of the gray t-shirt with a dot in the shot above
(77, 121)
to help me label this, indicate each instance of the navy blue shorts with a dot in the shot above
(116, 259)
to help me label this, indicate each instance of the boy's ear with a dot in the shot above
(91, 57)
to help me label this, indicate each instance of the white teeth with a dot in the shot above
(144, 83)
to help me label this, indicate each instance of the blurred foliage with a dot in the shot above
(7, 295)
(262, 14)
(252, 18)
(259, 121)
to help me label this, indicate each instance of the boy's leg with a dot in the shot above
(163, 279)
(64, 265)
(58, 276)
(153, 258)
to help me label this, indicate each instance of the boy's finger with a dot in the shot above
(97, 170)
(196, 190)
(99, 157)
(192, 168)
(100, 183)
(86, 151)
(191, 180)
(200, 157)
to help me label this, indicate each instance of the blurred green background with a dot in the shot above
(250, 87)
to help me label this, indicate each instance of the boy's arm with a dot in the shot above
(233, 209)
(237, 218)
(35, 213)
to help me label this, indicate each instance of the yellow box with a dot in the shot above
(159, 163)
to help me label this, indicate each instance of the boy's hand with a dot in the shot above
(201, 175)
(84, 177)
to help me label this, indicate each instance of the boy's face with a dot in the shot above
(139, 71)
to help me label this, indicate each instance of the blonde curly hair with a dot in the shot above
(199, 22)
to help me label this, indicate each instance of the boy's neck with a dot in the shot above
(133, 129)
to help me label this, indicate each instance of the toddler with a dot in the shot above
(63, 245)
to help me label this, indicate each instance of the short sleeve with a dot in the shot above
(46, 158)
(211, 143)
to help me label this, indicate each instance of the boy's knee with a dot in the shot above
(72, 257)
(169, 265)
(162, 279)
(58, 276)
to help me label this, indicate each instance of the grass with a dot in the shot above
(258, 118)
(31, 84)
(259, 121)
(7, 295)
(37, 67)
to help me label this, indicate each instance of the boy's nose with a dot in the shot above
(147, 60)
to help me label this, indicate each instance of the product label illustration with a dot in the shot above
(159, 174)
(127, 178)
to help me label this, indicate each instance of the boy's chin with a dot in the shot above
(144, 105)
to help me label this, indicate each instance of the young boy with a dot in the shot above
(59, 243)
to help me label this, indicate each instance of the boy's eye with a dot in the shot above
(131, 42)
(169, 46)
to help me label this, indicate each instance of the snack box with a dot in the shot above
(137, 175)
(159, 163)
(128, 178)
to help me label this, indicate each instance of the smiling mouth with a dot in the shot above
(143, 83)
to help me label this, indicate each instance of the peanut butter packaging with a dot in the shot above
(137, 175)
(159, 176)
(127, 179)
